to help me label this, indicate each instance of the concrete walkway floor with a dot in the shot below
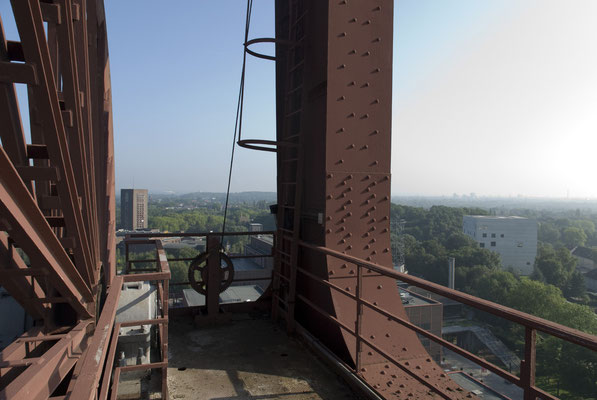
(246, 358)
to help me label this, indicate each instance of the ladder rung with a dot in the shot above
(295, 67)
(38, 173)
(290, 160)
(56, 222)
(37, 151)
(49, 202)
(284, 277)
(283, 253)
(288, 207)
(68, 242)
(288, 183)
(290, 114)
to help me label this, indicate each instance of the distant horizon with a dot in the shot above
(468, 196)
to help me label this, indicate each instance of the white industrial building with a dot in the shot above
(513, 238)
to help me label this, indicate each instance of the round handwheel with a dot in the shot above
(198, 272)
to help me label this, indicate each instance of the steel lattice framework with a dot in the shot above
(56, 188)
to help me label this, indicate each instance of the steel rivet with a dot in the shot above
(375, 132)
(373, 252)
(370, 353)
(365, 54)
(386, 250)
(351, 146)
(387, 366)
(351, 272)
(340, 130)
(375, 303)
(367, 247)
(366, 84)
(353, 20)
(363, 369)
(368, 258)
(367, 22)
(351, 115)
(387, 335)
(376, 101)
(383, 372)
(348, 289)
(353, 51)
(377, 39)
(349, 247)
(406, 363)
(375, 162)
(328, 218)
(365, 147)
(330, 176)
(342, 229)
(378, 8)
(342, 66)
(341, 98)
(376, 70)
(379, 286)
(349, 214)
(342, 34)
(342, 241)
(352, 83)
(340, 161)
(328, 231)
(343, 266)
(349, 234)
(331, 272)
(404, 349)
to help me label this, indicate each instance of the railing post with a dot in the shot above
(214, 277)
(127, 265)
(359, 320)
(528, 365)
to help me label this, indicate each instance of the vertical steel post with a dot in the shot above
(359, 319)
(528, 365)
(214, 276)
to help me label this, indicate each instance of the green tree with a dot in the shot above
(573, 236)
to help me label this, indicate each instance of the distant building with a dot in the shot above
(584, 256)
(591, 281)
(133, 209)
(427, 314)
(255, 227)
(513, 238)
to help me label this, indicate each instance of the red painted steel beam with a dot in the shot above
(29, 22)
(25, 223)
(19, 287)
(85, 381)
(40, 380)
(13, 138)
(18, 350)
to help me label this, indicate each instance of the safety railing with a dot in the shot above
(97, 377)
(532, 324)
(175, 295)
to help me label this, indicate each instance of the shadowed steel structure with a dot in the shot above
(332, 283)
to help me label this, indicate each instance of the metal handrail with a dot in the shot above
(531, 323)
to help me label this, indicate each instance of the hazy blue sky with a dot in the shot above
(496, 97)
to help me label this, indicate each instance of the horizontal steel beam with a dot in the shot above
(40, 380)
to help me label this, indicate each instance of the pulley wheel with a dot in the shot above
(198, 274)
